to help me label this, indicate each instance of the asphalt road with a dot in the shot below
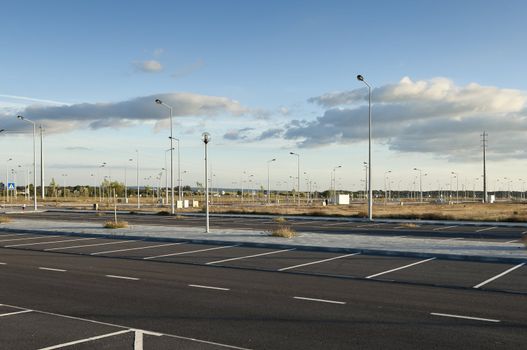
(476, 233)
(51, 299)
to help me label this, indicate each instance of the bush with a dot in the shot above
(283, 231)
(280, 220)
(4, 219)
(115, 224)
(163, 213)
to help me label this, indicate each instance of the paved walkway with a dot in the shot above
(406, 246)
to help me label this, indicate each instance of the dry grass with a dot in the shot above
(179, 217)
(4, 219)
(524, 240)
(114, 224)
(283, 231)
(280, 220)
(409, 225)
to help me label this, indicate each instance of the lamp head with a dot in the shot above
(20, 117)
(158, 101)
(360, 78)
(205, 137)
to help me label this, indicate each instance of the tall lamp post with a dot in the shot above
(137, 179)
(205, 137)
(268, 181)
(333, 185)
(457, 185)
(420, 184)
(35, 207)
(172, 206)
(7, 180)
(370, 193)
(298, 174)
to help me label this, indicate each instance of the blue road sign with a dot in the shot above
(11, 186)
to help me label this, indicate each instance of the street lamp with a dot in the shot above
(456, 175)
(268, 181)
(420, 184)
(137, 179)
(34, 161)
(333, 183)
(172, 207)
(298, 177)
(178, 169)
(386, 184)
(370, 193)
(205, 137)
(7, 180)
(125, 183)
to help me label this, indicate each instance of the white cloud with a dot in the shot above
(149, 66)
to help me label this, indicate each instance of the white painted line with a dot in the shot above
(399, 237)
(338, 223)
(13, 234)
(51, 269)
(123, 277)
(61, 241)
(485, 229)
(15, 313)
(369, 225)
(190, 252)
(85, 340)
(498, 276)
(400, 268)
(524, 232)
(442, 228)
(321, 300)
(27, 238)
(249, 256)
(317, 262)
(303, 222)
(514, 241)
(452, 239)
(207, 287)
(465, 317)
(3, 263)
(124, 250)
(138, 340)
(86, 245)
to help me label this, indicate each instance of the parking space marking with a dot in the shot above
(51, 269)
(80, 341)
(442, 228)
(452, 239)
(485, 229)
(139, 248)
(338, 223)
(27, 238)
(369, 225)
(321, 300)
(249, 256)
(498, 276)
(465, 317)
(207, 287)
(400, 268)
(514, 241)
(15, 313)
(123, 277)
(3, 263)
(86, 245)
(61, 241)
(524, 232)
(317, 262)
(190, 252)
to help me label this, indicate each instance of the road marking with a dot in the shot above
(86, 245)
(206, 287)
(3, 263)
(498, 276)
(15, 313)
(524, 232)
(124, 250)
(442, 228)
(338, 223)
(321, 300)
(400, 237)
(485, 229)
(61, 241)
(249, 256)
(51, 269)
(369, 225)
(123, 277)
(400, 268)
(86, 340)
(190, 251)
(515, 241)
(465, 317)
(317, 262)
(303, 222)
(138, 340)
(19, 239)
(452, 239)
(13, 234)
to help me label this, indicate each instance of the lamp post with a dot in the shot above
(34, 161)
(268, 181)
(42, 182)
(125, 183)
(333, 183)
(166, 174)
(370, 193)
(386, 184)
(298, 175)
(172, 206)
(366, 182)
(457, 185)
(137, 179)
(7, 180)
(420, 184)
(205, 137)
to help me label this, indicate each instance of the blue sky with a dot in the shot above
(267, 59)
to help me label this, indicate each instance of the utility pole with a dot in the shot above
(42, 182)
(484, 140)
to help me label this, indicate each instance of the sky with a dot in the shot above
(266, 78)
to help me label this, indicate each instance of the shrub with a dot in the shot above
(280, 220)
(115, 224)
(283, 231)
(163, 213)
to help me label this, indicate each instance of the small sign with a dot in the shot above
(11, 186)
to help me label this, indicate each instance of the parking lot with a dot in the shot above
(423, 271)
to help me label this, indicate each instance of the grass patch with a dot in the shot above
(409, 225)
(4, 219)
(280, 220)
(179, 217)
(524, 240)
(283, 232)
(113, 224)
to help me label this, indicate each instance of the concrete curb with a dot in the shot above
(475, 258)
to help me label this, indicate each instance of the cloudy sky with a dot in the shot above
(266, 78)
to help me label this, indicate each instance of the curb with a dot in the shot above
(379, 252)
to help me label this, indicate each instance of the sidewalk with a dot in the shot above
(384, 245)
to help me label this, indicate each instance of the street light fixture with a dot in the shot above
(333, 185)
(298, 174)
(420, 184)
(268, 181)
(205, 137)
(172, 206)
(456, 175)
(34, 161)
(370, 193)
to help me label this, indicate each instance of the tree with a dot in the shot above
(52, 188)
